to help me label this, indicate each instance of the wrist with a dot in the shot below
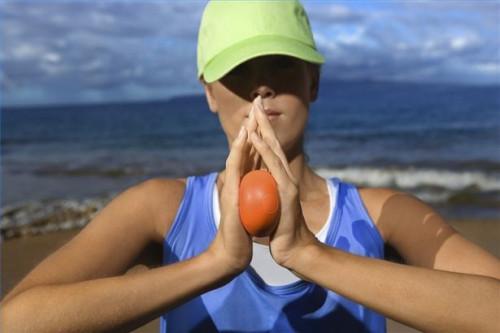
(225, 267)
(302, 256)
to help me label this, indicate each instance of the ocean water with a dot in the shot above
(438, 142)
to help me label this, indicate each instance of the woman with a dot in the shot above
(260, 71)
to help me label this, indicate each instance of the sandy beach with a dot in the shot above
(20, 255)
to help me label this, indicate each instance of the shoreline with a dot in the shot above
(20, 255)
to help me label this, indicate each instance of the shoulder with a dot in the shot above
(387, 207)
(405, 221)
(163, 196)
(423, 237)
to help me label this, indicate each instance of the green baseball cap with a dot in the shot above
(232, 32)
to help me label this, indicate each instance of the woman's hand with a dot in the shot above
(232, 246)
(253, 160)
(291, 234)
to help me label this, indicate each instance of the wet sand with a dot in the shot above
(20, 255)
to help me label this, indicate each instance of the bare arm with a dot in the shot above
(429, 300)
(80, 287)
(456, 289)
(117, 304)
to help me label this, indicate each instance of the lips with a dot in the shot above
(271, 112)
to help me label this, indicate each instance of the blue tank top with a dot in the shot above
(247, 303)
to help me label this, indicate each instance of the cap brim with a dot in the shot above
(231, 57)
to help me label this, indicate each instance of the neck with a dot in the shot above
(311, 186)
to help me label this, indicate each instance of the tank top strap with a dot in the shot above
(191, 231)
(353, 230)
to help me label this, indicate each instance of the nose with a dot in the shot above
(264, 91)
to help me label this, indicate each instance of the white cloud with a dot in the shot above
(489, 68)
(398, 39)
(357, 36)
(25, 51)
(52, 57)
(128, 49)
(331, 13)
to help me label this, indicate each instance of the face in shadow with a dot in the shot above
(286, 84)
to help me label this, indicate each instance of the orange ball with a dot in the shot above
(259, 203)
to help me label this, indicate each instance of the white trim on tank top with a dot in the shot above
(262, 261)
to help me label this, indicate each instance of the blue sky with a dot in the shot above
(54, 52)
